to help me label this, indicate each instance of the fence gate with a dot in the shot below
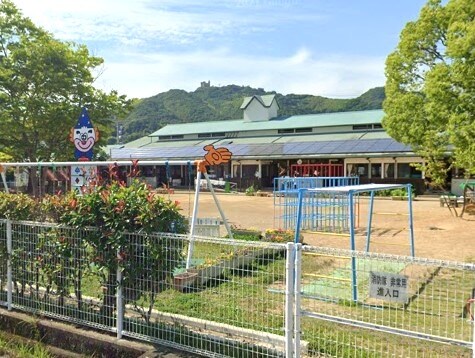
(404, 307)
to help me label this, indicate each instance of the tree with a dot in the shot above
(43, 85)
(430, 87)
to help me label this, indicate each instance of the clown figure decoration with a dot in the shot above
(84, 136)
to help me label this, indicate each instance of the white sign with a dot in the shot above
(388, 286)
(82, 175)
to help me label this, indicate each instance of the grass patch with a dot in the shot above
(249, 297)
(18, 347)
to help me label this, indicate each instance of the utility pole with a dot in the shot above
(119, 130)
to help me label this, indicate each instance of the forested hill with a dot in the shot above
(223, 103)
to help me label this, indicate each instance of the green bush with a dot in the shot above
(247, 235)
(402, 192)
(116, 209)
(112, 211)
(250, 191)
(18, 207)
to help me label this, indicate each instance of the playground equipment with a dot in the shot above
(352, 192)
(322, 212)
(468, 198)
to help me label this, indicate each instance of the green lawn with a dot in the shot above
(252, 297)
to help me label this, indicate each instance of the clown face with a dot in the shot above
(84, 138)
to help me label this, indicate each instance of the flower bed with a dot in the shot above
(280, 235)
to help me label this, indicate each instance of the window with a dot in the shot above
(361, 170)
(249, 171)
(360, 127)
(376, 170)
(209, 135)
(389, 170)
(366, 127)
(285, 131)
(168, 137)
(357, 169)
(406, 170)
(295, 130)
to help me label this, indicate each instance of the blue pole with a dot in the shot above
(370, 220)
(353, 246)
(299, 215)
(411, 224)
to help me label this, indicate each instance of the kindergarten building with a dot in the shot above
(266, 145)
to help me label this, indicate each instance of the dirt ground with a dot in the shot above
(437, 233)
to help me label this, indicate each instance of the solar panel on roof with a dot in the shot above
(379, 146)
(277, 149)
(397, 147)
(254, 150)
(308, 148)
(194, 150)
(290, 146)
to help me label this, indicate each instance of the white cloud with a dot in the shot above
(138, 21)
(299, 73)
(133, 39)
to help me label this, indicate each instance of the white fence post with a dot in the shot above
(119, 301)
(297, 293)
(9, 265)
(473, 336)
(289, 299)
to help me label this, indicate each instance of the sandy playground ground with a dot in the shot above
(437, 233)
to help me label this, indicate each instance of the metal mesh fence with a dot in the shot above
(54, 274)
(233, 298)
(221, 306)
(327, 212)
(3, 262)
(373, 305)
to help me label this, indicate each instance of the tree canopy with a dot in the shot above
(44, 83)
(430, 87)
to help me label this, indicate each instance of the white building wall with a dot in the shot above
(256, 112)
(273, 110)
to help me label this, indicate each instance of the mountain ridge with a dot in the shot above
(213, 103)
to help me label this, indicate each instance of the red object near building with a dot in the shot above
(317, 170)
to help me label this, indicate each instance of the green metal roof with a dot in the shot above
(301, 121)
(265, 100)
(304, 138)
(140, 142)
(146, 142)
(177, 143)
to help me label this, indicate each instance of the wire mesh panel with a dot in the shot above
(225, 305)
(207, 226)
(3, 262)
(373, 305)
(328, 212)
(222, 306)
(54, 275)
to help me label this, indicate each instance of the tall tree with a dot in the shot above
(430, 87)
(43, 85)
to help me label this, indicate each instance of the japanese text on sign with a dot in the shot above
(388, 286)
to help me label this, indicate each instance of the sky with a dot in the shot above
(331, 48)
